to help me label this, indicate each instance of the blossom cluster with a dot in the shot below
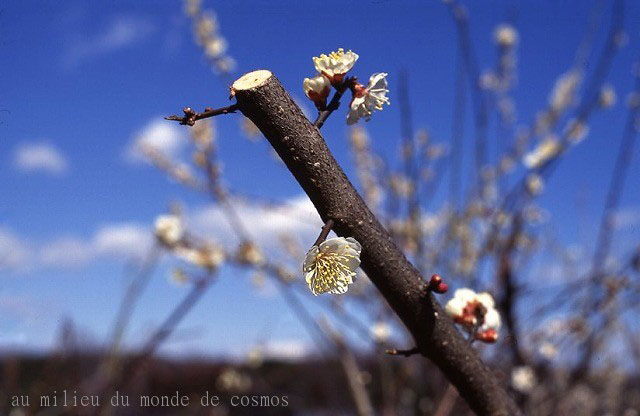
(331, 72)
(205, 27)
(476, 313)
(170, 233)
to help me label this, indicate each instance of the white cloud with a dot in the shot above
(119, 240)
(111, 241)
(296, 217)
(66, 252)
(167, 138)
(14, 252)
(44, 157)
(286, 350)
(126, 239)
(120, 32)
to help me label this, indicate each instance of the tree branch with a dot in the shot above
(264, 101)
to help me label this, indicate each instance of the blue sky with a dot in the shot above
(81, 81)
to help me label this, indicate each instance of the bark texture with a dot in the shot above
(262, 98)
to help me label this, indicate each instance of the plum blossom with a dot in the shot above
(475, 312)
(369, 98)
(331, 266)
(317, 89)
(335, 65)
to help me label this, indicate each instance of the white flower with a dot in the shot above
(335, 65)
(331, 266)
(547, 149)
(168, 229)
(505, 35)
(523, 379)
(317, 89)
(365, 100)
(380, 332)
(461, 297)
(466, 306)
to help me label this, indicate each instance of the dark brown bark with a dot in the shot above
(262, 98)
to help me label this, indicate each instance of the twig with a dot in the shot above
(326, 229)
(405, 353)
(334, 103)
(190, 117)
(349, 364)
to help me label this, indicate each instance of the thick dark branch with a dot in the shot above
(264, 101)
(190, 117)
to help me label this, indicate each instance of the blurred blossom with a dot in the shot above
(467, 307)
(359, 139)
(209, 256)
(401, 186)
(255, 357)
(331, 266)
(546, 150)
(249, 253)
(633, 100)
(178, 277)
(215, 47)
(523, 379)
(576, 131)
(285, 274)
(507, 163)
(380, 332)
(436, 151)
(192, 7)
(548, 350)
(232, 380)
(607, 97)
(183, 173)
(249, 129)
(534, 184)
(366, 166)
(564, 90)
(367, 99)
(205, 28)
(488, 80)
(335, 65)
(168, 229)
(505, 35)
(203, 134)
